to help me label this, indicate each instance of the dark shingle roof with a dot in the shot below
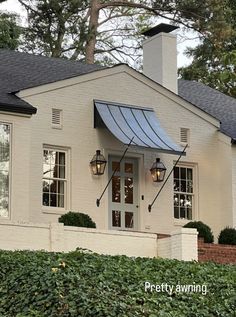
(217, 104)
(21, 70)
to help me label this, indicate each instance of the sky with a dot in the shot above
(11, 5)
(182, 42)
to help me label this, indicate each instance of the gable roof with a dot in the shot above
(217, 104)
(22, 70)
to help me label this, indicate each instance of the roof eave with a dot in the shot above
(17, 109)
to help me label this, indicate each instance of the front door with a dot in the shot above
(123, 194)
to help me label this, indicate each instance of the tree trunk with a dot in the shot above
(92, 33)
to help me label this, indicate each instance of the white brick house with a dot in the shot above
(47, 111)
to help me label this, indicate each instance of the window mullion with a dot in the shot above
(181, 179)
(54, 163)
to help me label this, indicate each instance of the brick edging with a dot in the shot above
(218, 253)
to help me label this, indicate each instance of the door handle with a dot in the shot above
(137, 206)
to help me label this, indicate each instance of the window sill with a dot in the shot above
(5, 219)
(181, 222)
(52, 210)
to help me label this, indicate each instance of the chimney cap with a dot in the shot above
(162, 27)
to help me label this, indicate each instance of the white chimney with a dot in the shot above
(160, 56)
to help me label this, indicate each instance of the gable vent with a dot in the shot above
(184, 135)
(57, 118)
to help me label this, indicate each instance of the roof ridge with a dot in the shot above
(40, 56)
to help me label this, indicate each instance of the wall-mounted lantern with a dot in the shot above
(158, 171)
(98, 164)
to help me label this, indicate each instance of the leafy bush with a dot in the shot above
(75, 284)
(227, 236)
(204, 231)
(77, 219)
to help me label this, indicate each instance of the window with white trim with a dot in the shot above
(54, 178)
(5, 130)
(183, 192)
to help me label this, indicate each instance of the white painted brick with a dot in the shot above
(214, 194)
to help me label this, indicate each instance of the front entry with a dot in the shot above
(123, 194)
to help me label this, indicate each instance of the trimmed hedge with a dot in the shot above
(82, 284)
(77, 219)
(227, 236)
(204, 231)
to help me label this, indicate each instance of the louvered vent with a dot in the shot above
(184, 135)
(57, 118)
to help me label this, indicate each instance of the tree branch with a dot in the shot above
(122, 3)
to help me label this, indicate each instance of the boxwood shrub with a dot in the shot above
(227, 236)
(84, 284)
(204, 231)
(77, 219)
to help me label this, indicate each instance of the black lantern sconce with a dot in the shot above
(158, 171)
(98, 164)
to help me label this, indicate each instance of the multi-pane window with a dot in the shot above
(54, 178)
(4, 169)
(183, 192)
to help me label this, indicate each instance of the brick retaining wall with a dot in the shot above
(219, 253)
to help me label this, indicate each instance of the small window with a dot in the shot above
(184, 135)
(57, 118)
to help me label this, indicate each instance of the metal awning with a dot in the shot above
(126, 122)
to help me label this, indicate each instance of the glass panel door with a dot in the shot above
(123, 194)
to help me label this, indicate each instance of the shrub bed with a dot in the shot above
(204, 231)
(86, 284)
(227, 236)
(77, 219)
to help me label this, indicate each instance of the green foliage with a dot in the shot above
(204, 231)
(107, 32)
(77, 219)
(55, 27)
(83, 284)
(227, 236)
(10, 31)
(214, 61)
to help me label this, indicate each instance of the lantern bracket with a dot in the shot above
(99, 199)
(182, 153)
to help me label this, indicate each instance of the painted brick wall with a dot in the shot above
(181, 245)
(219, 253)
(60, 238)
(213, 193)
(56, 237)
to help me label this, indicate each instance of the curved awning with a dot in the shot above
(126, 122)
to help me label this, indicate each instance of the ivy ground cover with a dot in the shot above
(85, 284)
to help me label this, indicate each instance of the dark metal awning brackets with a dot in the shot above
(115, 170)
(163, 185)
